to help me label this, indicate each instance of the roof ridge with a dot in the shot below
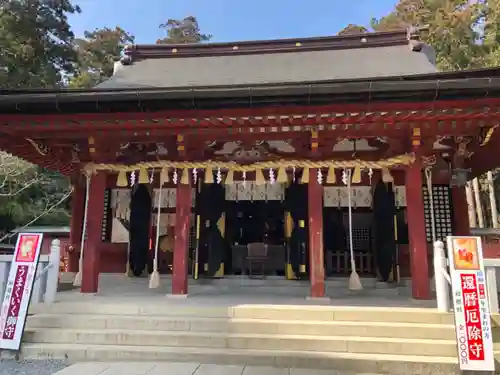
(366, 40)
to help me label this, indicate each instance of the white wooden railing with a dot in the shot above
(47, 274)
(443, 280)
(341, 262)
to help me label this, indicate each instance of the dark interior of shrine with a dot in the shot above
(140, 216)
(250, 222)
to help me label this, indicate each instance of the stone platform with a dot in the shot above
(171, 368)
(247, 323)
(241, 289)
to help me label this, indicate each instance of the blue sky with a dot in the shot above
(231, 20)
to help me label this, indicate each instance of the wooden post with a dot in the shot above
(477, 198)
(416, 231)
(316, 257)
(91, 255)
(182, 216)
(470, 204)
(461, 225)
(493, 202)
(77, 213)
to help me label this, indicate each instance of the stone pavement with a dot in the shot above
(171, 368)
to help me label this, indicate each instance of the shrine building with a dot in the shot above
(258, 148)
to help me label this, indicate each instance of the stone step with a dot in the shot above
(354, 362)
(349, 344)
(263, 326)
(249, 311)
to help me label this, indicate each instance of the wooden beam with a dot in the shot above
(485, 105)
(350, 114)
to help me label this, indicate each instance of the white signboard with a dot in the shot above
(470, 301)
(18, 292)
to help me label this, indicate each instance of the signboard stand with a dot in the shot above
(15, 303)
(471, 306)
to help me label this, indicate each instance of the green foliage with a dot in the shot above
(452, 28)
(36, 43)
(28, 192)
(352, 29)
(183, 31)
(97, 54)
(491, 27)
(38, 49)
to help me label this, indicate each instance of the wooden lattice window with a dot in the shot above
(105, 223)
(192, 233)
(442, 212)
(361, 239)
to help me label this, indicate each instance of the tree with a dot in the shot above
(352, 29)
(29, 194)
(491, 18)
(185, 31)
(452, 28)
(36, 43)
(97, 54)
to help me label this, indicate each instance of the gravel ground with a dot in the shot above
(45, 367)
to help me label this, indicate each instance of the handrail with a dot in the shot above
(441, 277)
(46, 278)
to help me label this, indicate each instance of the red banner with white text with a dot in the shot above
(17, 295)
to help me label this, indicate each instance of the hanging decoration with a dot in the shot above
(305, 176)
(152, 176)
(386, 176)
(229, 177)
(356, 175)
(175, 176)
(259, 177)
(272, 179)
(143, 176)
(370, 175)
(354, 280)
(331, 177)
(244, 178)
(154, 281)
(280, 165)
(404, 159)
(185, 177)
(164, 177)
(78, 277)
(320, 176)
(122, 180)
(219, 176)
(344, 177)
(209, 175)
(282, 176)
(195, 175)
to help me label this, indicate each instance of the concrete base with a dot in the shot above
(248, 329)
(176, 296)
(179, 368)
(319, 299)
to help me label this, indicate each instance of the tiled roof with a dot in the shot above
(371, 55)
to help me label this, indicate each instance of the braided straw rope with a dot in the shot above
(404, 159)
(489, 134)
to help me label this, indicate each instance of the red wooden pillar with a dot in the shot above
(182, 216)
(77, 214)
(316, 257)
(90, 271)
(461, 225)
(416, 231)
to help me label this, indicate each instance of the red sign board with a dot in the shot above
(18, 292)
(470, 300)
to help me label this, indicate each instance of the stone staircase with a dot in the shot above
(357, 339)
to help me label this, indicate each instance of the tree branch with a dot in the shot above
(45, 212)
